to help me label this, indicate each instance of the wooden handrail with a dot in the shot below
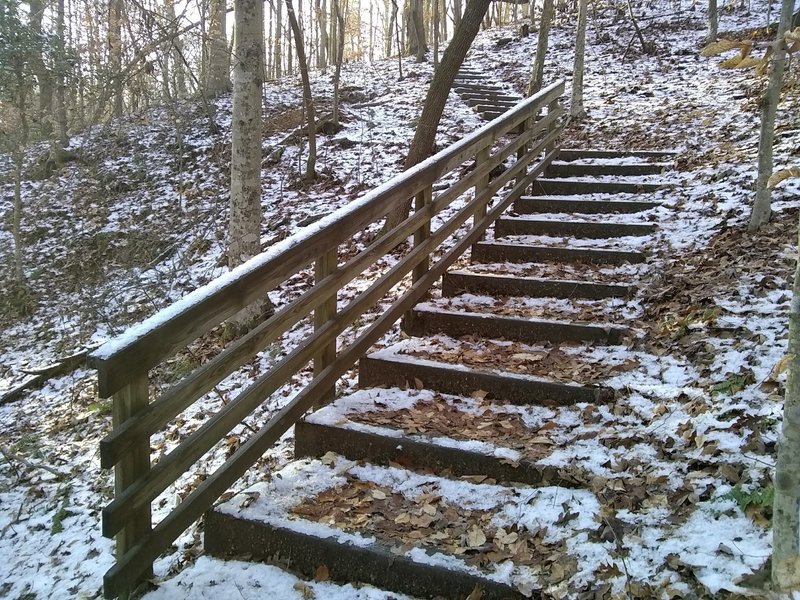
(123, 363)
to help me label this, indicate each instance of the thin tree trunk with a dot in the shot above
(390, 28)
(339, 17)
(443, 77)
(458, 11)
(278, 35)
(713, 20)
(371, 32)
(541, 48)
(60, 68)
(245, 202)
(786, 504)
(576, 109)
(321, 10)
(44, 78)
(435, 32)
(115, 44)
(769, 107)
(308, 100)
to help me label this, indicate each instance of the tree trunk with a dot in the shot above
(245, 203)
(435, 8)
(576, 109)
(713, 20)
(443, 77)
(458, 11)
(278, 34)
(541, 48)
(786, 504)
(308, 100)
(339, 17)
(115, 44)
(415, 30)
(219, 79)
(178, 79)
(44, 78)
(61, 68)
(321, 10)
(769, 107)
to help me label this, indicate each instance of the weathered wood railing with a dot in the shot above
(528, 133)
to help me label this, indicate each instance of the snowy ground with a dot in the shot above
(140, 220)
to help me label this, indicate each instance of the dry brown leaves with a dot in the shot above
(440, 418)
(551, 361)
(577, 271)
(588, 311)
(430, 522)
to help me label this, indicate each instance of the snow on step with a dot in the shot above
(416, 534)
(624, 274)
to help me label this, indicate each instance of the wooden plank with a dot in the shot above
(375, 564)
(584, 229)
(130, 566)
(325, 266)
(457, 282)
(126, 403)
(579, 153)
(572, 169)
(463, 381)
(489, 252)
(547, 187)
(555, 204)
(163, 334)
(314, 440)
(421, 201)
(455, 324)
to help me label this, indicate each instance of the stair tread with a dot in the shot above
(608, 311)
(578, 219)
(551, 242)
(625, 243)
(467, 271)
(387, 509)
(521, 314)
(586, 272)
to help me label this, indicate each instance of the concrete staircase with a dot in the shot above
(428, 481)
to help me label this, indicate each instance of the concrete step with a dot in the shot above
(585, 229)
(245, 526)
(489, 102)
(568, 154)
(571, 169)
(455, 324)
(457, 282)
(544, 186)
(392, 370)
(490, 252)
(557, 204)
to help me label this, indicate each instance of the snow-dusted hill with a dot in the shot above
(140, 218)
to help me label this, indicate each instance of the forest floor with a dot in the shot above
(140, 217)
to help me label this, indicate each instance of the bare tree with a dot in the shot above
(308, 100)
(713, 20)
(115, 45)
(435, 100)
(576, 109)
(769, 107)
(541, 48)
(245, 203)
(338, 16)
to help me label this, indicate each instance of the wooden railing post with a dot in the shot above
(424, 232)
(553, 106)
(481, 157)
(126, 403)
(325, 265)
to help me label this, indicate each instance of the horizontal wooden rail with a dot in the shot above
(524, 133)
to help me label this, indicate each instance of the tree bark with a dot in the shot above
(458, 11)
(308, 99)
(786, 504)
(245, 202)
(443, 77)
(713, 20)
(541, 48)
(218, 80)
(115, 44)
(769, 107)
(416, 30)
(44, 78)
(61, 68)
(321, 10)
(337, 75)
(576, 109)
